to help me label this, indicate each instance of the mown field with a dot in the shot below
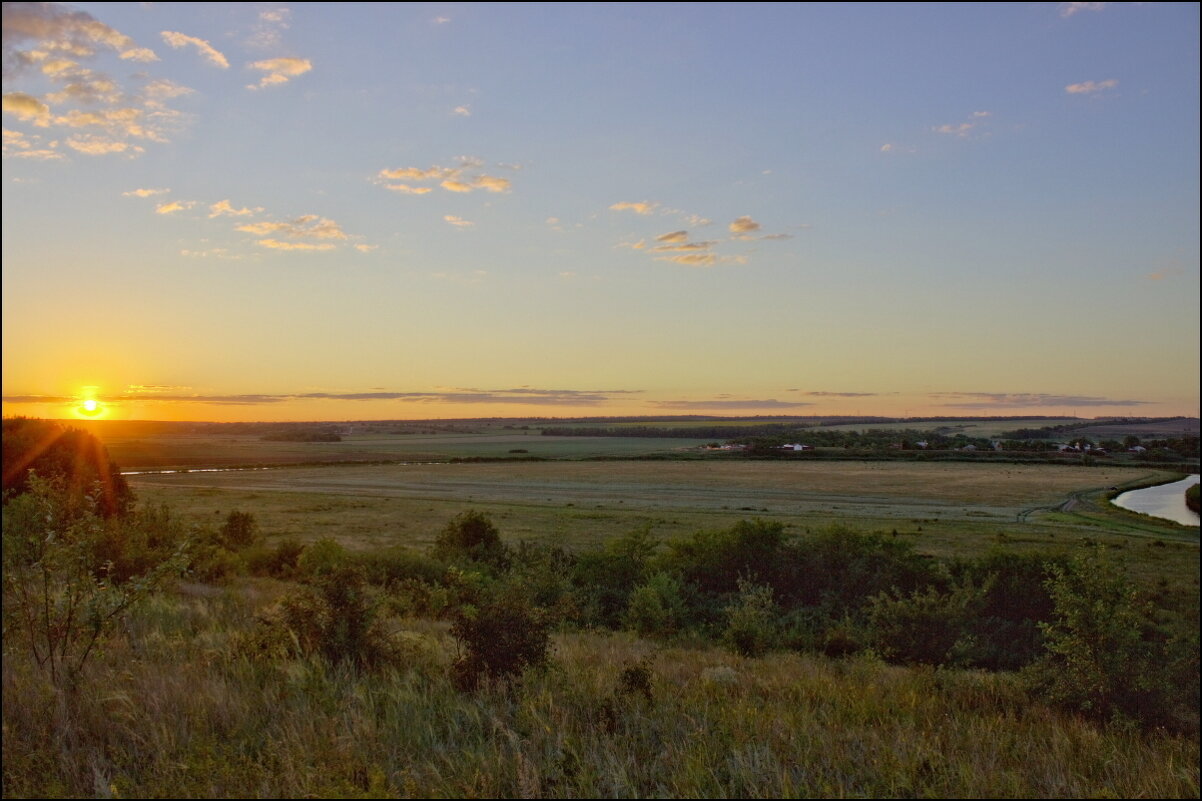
(945, 509)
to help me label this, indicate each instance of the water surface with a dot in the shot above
(1166, 501)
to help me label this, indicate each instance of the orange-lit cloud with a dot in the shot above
(210, 53)
(279, 70)
(171, 207)
(276, 244)
(224, 208)
(743, 225)
(27, 108)
(458, 222)
(643, 207)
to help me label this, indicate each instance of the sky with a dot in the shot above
(252, 211)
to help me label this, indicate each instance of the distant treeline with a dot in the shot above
(303, 435)
(683, 432)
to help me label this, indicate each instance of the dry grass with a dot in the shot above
(172, 711)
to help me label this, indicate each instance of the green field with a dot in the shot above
(944, 508)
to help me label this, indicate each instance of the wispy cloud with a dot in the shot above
(17, 144)
(210, 53)
(691, 259)
(279, 71)
(1069, 9)
(768, 403)
(1089, 87)
(269, 28)
(642, 207)
(307, 226)
(171, 207)
(223, 208)
(458, 222)
(986, 400)
(60, 29)
(674, 236)
(743, 226)
(276, 244)
(524, 396)
(463, 111)
(461, 178)
(822, 394)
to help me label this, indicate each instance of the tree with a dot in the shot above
(73, 459)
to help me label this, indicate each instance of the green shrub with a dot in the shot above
(751, 620)
(471, 537)
(336, 618)
(1103, 655)
(657, 607)
(925, 626)
(239, 531)
(322, 558)
(282, 561)
(499, 638)
(59, 604)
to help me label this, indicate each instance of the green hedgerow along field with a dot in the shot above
(748, 659)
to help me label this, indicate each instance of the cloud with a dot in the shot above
(820, 394)
(683, 247)
(366, 248)
(144, 192)
(777, 236)
(173, 206)
(1089, 87)
(674, 236)
(279, 70)
(440, 20)
(308, 226)
(1160, 275)
(63, 38)
(101, 146)
(458, 222)
(986, 400)
(452, 179)
(644, 207)
(59, 29)
(27, 108)
(692, 259)
(18, 145)
(409, 190)
(886, 148)
(1068, 9)
(744, 225)
(955, 130)
(769, 403)
(178, 40)
(463, 111)
(143, 54)
(276, 244)
(223, 208)
(268, 30)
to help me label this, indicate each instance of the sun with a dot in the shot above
(89, 407)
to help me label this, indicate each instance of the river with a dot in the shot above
(1165, 500)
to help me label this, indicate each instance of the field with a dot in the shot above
(207, 690)
(946, 509)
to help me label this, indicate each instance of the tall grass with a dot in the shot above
(173, 707)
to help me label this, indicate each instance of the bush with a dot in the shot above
(74, 460)
(751, 627)
(337, 619)
(1103, 655)
(471, 537)
(239, 531)
(59, 602)
(499, 638)
(322, 557)
(282, 561)
(928, 626)
(657, 607)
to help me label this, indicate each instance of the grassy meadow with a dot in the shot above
(233, 681)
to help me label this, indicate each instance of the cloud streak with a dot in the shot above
(279, 71)
(524, 396)
(768, 403)
(211, 54)
(987, 400)
(1089, 87)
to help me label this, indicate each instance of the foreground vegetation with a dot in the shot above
(152, 654)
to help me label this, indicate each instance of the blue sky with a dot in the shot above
(260, 211)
